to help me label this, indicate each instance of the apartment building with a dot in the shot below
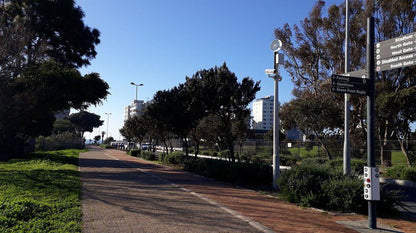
(263, 113)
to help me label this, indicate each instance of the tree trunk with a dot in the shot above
(328, 153)
(404, 150)
(385, 152)
(196, 148)
(186, 147)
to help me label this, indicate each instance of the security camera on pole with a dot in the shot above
(274, 73)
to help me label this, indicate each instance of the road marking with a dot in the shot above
(252, 223)
(109, 155)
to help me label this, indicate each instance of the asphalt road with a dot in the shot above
(119, 197)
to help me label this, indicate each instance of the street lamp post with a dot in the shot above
(137, 85)
(347, 143)
(108, 121)
(274, 73)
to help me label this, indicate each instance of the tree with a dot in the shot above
(223, 96)
(315, 116)
(42, 44)
(179, 111)
(36, 31)
(315, 50)
(61, 126)
(97, 138)
(134, 129)
(108, 140)
(85, 122)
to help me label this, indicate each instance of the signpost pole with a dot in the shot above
(347, 146)
(372, 221)
(276, 128)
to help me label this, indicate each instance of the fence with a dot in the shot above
(300, 149)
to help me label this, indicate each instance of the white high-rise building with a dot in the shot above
(263, 113)
(136, 108)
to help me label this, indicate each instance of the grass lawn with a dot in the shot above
(41, 193)
(303, 152)
(397, 157)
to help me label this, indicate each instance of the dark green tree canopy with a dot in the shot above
(42, 44)
(35, 31)
(134, 129)
(62, 126)
(85, 122)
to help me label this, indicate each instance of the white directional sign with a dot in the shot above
(396, 53)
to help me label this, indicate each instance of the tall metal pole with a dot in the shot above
(347, 145)
(276, 158)
(137, 85)
(371, 158)
(108, 121)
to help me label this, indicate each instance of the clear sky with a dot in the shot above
(160, 42)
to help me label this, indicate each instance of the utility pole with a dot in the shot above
(371, 157)
(108, 122)
(347, 144)
(274, 73)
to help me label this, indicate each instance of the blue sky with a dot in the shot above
(160, 42)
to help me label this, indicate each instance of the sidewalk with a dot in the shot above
(274, 214)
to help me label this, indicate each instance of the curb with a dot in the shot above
(405, 183)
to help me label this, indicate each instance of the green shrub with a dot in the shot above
(402, 172)
(149, 156)
(106, 146)
(174, 158)
(357, 165)
(192, 164)
(59, 142)
(287, 160)
(345, 194)
(237, 173)
(326, 188)
(314, 160)
(300, 181)
(161, 157)
(389, 199)
(135, 152)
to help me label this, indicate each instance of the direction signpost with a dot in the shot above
(350, 85)
(390, 54)
(395, 53)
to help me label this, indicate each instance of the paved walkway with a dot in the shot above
(125, 194)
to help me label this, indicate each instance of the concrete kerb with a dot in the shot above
(405, 183)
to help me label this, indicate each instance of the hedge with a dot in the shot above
(402, 172)
(322, 186)
(238, 173)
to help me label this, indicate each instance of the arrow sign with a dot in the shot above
(349, 85)
(397, 42)
(396, 62)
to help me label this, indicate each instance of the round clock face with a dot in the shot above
(276, 45)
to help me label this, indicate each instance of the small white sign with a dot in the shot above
(371, 183)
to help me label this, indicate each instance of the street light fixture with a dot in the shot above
(137, 85)
(274, 73)
(108, 121)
